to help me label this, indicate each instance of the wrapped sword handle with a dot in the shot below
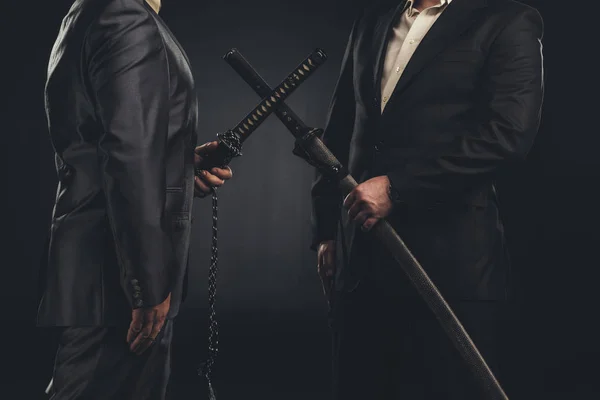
(230, 142)
(229, 147)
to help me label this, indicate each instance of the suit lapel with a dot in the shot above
(381, 37)
(458, 16)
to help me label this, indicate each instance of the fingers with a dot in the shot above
(149, 341)
(356, 208)
(350, 199)
(222, 173)
(319, 261)
(137, 320)
(206, 148)
(329, 261)
(206, 181)
(210, 179)
(369, 224)
(360, 210)
(140, 342)
(362, 217)
(158, 325)
(201, 152)
(326, 267)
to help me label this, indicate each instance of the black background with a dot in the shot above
(275, 340)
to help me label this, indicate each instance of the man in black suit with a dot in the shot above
(434, 99)
(122, 116)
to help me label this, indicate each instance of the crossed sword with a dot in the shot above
(310, 147)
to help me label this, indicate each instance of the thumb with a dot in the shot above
(206, 148)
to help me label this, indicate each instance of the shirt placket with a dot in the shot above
(413, 36)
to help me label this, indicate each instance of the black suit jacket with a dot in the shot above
(122, 116)
(467, 105)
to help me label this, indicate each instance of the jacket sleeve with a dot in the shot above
(326, 198)
(513, 91)
(129, 80)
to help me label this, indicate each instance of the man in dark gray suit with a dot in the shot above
(122, 116)
(435, 99)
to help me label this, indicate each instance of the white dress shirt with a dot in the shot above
(408, 33)
(155, 4)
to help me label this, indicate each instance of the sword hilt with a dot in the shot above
(278, 95)
(228, 148)
(240, 65)
(230, 142)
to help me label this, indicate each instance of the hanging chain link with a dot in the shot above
(213, 327)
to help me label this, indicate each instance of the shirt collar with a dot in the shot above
(411, 11)
(155, 4)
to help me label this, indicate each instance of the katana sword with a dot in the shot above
(310, 147)
(230, 146)
(230, 142)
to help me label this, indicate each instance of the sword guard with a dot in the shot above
(230, 146)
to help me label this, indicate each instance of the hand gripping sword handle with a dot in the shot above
(329, 165)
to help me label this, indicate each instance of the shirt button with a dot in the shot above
(412, 41)
(385, 99)
(398, 69)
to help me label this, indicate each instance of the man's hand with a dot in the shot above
(208, 179)
(369, 202)
(146, 324)
(326, 264)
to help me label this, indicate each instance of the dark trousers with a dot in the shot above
(95, 363)
(388, 348)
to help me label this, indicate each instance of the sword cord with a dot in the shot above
(213, 328)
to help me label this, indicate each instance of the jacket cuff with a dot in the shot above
(400, 192)
(150, 293)
(325, 220)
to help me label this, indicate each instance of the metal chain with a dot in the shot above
(213, 328)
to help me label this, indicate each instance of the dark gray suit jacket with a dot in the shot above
(467, 105)
(122, 116)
